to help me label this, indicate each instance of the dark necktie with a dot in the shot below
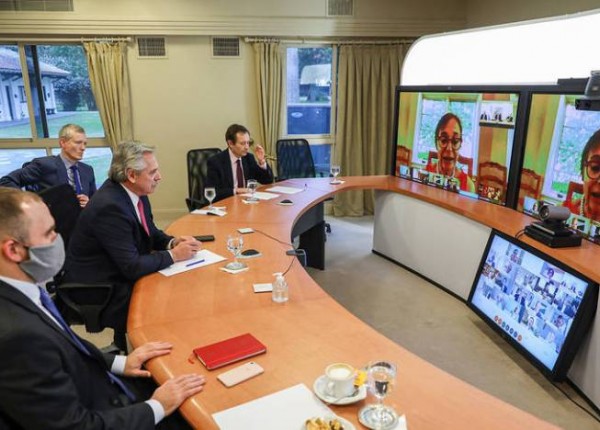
(76, 180)
(239, 173)
(48, 303)
(140, 206)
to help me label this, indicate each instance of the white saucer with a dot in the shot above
(344, 422)
(319, 389)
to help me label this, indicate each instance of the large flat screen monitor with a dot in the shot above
(460, 140)
(561, 163)
(540, 306)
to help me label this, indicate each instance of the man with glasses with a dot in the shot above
(66, 168)
(448, 140)
(229, 170)
(589, 205)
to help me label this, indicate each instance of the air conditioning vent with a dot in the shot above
(340, 7)
(151, 47)
(37, 5)
(226, 47)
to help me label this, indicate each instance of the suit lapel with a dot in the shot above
(61, 170)
(226, 164)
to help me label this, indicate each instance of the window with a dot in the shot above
(12, 159)
(572, 130)
(48, 89)
(310, 73)
(59, 91)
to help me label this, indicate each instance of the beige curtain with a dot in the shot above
(109, 77)
(269, 84)
(367, 79)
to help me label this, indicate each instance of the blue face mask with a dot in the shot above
(45, 261)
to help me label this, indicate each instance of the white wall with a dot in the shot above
(492, 12)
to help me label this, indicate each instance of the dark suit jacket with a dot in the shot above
(220, 176)
(109, 244)
(48, 383)
(47, 172)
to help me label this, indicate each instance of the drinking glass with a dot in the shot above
(235, 243)
(252, 185)
(210, 193)
(335, 171)
(381, 378)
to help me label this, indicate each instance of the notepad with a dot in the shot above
(229, 351)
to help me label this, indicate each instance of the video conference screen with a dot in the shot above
(539, 305)
(561, 164)
(459, 141)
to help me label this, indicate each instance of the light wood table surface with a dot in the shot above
(312, 330)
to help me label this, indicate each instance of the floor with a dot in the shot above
(433, 324)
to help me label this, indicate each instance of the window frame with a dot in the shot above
(35, 142)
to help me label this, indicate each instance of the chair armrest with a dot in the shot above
(194, 204)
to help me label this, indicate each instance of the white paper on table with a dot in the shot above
(193, 263)
(261, 195)
(215, 211)
(285, 409)
(284, 190)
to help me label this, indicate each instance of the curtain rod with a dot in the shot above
(330, 42)
(65, 39)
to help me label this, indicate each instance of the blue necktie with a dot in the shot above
(48, 303)
(76, 180)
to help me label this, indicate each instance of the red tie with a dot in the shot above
(140, 206)
(239, 174)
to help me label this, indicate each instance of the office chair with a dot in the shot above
(294, 160)
(78, 303)
(196, 168)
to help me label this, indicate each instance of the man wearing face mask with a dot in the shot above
(115, 239)
(49, 377)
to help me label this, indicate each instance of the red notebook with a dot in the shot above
(228, 351)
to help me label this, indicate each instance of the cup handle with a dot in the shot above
(329, 388)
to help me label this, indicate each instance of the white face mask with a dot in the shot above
(45, 261)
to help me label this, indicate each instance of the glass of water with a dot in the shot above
(381, 378)
(235, 243)
(210, 193)
(335, 171)
(252, 185)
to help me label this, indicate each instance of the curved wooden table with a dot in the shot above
(311, 330)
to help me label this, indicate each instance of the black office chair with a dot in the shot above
(196, 168)
(78, 303)
(295, 160)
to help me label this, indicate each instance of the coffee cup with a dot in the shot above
(340, 380)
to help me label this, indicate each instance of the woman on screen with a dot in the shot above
(448, 140)
(589, 205)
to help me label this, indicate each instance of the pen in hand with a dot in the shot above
(193, 263)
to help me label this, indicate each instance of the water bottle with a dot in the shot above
(280, 289)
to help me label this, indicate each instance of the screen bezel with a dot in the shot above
(581, 321)
(522, 108)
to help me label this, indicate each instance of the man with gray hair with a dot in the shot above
(115, 239)
(66, 168)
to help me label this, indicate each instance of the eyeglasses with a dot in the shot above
(592, 168)
(444, 140)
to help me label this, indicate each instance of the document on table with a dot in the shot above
(284, 190)
(286, 409)
(215, 211)
(261, 195)
(201, 259)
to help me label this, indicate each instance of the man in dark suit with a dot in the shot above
(49, 377)
(229, 170)
(115, 239)
(66, 168)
